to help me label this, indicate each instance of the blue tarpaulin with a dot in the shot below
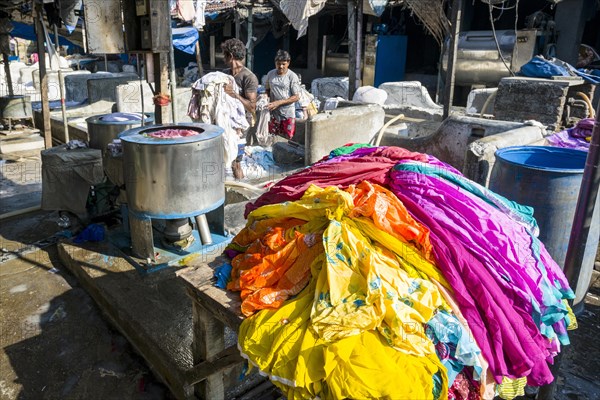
(185, 39)
(25, 31)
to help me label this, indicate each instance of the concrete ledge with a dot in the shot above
(449, 143)
(480, 156)
(331, 129)
(408, 94)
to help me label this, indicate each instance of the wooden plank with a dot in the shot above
(209, 342)
(223, 304)
(224, 359)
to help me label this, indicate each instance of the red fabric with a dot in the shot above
(285, 127)
(342, 172)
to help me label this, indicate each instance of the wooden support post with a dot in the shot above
(457, 6)
(46, 128)
(161, 84)
(199, 59)
(351, 48)
(359, 29)
(8, 77)
(313, 44)
(207, 345)
(61, 87)
(238, 25)
(250, 43)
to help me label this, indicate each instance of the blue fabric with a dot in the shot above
(185, 39)
(539, 67)
(223, 275)
(25, 31)
(92, 233)
(461, 349)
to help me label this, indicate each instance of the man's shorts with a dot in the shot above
(284, 127)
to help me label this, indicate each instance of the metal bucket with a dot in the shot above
(548, 179)
(102, 129)
(174, 177)
(15, 107)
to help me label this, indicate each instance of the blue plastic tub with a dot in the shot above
(548, 179)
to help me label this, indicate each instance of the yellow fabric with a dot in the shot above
(511, 388)
(357, 329)
(282, 344)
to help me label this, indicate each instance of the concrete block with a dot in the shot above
(323, 88)
(19, 142)
(331, 129)
(52, 78)
(523, 99)
(53, 82)
(104, 87)
(128, 99)
(477, 100)
(408, 94)
(480, 155)
(76, 85)
(26, 75)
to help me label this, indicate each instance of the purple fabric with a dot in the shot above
(563, 139)
(574, 138)
(583, 128)
(370, 163)
(467, 235)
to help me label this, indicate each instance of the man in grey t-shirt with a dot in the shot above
(283, 89)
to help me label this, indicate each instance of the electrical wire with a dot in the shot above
(496, 40)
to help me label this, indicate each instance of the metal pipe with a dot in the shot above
(585, 208)
(140, 72)
(63, 106)
(173, 76)
(457, 6)
(580, 229)
(203, 229)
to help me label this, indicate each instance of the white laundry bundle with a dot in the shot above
(265, 139)
(211, 105)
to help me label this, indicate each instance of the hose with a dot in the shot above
(245, 185)
(387, 124)
(487, 103)
(19, 212)
(592, 113)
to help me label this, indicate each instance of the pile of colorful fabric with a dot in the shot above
(383, 273)
(577, 137)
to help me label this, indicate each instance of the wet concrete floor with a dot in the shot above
(55, 342)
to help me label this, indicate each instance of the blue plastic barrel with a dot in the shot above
(548, 179)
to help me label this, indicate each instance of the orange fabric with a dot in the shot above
(389, 214)
(276, 264)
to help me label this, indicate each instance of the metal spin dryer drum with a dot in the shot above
(172, 178)
(102, 129)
